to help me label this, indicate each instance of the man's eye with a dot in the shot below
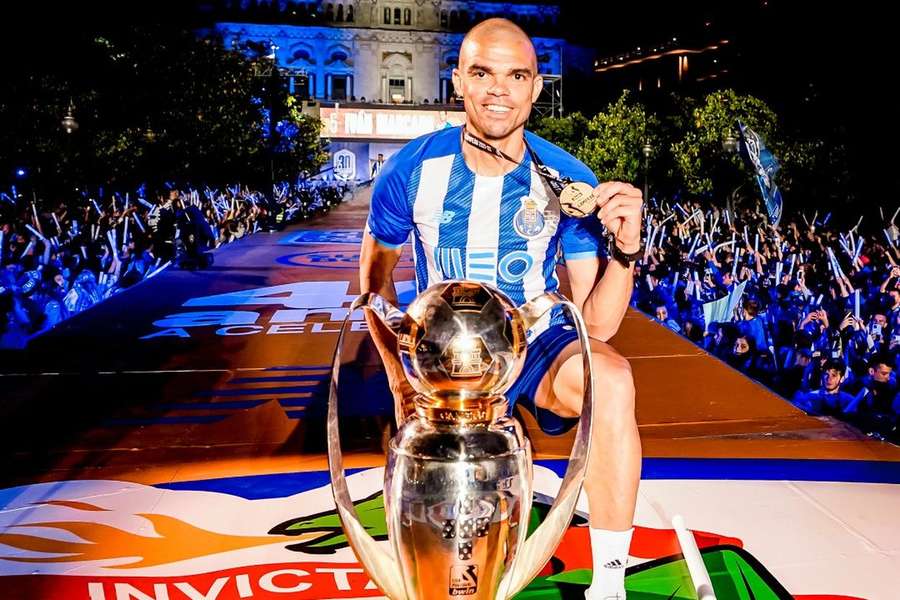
(519, 76)
(480, 74)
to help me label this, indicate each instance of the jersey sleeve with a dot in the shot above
(585, 237)
(390, 213)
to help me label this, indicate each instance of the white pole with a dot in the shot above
(696, 568)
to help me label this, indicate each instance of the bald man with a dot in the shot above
(479, 209)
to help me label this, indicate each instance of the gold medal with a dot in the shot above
(577, 200)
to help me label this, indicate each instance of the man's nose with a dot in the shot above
(498, 88)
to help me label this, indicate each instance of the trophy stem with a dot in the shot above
(479, 411)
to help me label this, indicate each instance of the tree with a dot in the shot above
(815, 171)
(301, 143)
(614, 139)
(154, 104)
(566, 132)
(702, 165)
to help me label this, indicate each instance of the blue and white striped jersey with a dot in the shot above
(505, 230)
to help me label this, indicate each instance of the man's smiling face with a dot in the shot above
(497, 78)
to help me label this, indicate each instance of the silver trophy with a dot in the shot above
(458, 482)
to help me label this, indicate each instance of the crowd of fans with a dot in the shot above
(810, 307)
(59, 258)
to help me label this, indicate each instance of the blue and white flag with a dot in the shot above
(721, 310)
(764, 166)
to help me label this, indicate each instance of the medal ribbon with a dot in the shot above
(556, 184)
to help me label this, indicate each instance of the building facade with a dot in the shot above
(391, 52)
(379, 71)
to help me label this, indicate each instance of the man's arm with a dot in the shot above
(376, 268)
(604, 301)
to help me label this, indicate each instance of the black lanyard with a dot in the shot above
(556, 184)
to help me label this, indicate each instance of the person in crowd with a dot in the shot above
(829, 399)
(662, 316)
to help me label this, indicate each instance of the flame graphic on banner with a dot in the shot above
(176, 540)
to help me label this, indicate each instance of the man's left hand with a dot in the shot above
(619, 208)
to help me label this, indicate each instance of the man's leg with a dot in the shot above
(614, 462)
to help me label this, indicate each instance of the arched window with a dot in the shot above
(340, 12)
(387, 16)
(396, 16)
(301, 54)
(329, 12)
(454, 18)
(407, 16)
(349, 13)
(443, 18)
(338, 56)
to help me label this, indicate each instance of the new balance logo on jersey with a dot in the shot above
(445, 217)
(614, 564)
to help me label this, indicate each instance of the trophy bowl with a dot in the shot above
(461, 340)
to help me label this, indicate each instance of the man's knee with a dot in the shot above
(614, 383)
(612, 370)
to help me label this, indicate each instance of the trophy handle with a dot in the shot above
(540, 546)
(387, 313)
(537, 307)
(380, 565)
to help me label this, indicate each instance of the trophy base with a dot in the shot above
(457, 506)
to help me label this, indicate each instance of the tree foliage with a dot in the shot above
(153, 104)
(610, 143)
(688, 155)
(566, 132)
(613, 145)
(699, 155)
(303, 149)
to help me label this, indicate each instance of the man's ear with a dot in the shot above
(537, 87)
(457, 82)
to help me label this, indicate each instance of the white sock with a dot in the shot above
(610, 554)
